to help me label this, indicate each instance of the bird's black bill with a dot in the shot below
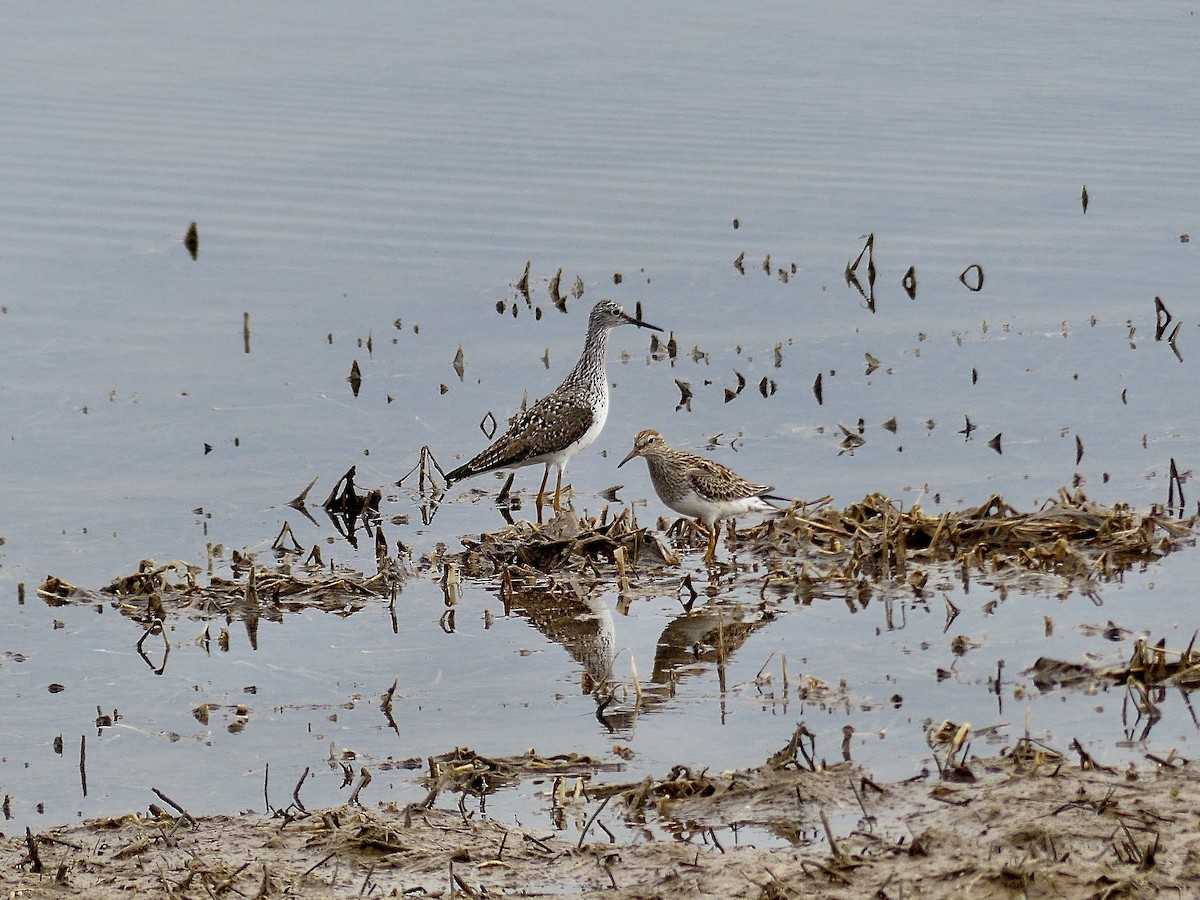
(632, 454)
(640, 324)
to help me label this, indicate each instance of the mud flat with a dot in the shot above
(1025, 824)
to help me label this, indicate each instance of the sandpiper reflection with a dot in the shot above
(581, 621)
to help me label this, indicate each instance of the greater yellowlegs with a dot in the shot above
(695, 486)
(566, 420)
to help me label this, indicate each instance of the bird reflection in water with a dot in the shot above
(582, 623)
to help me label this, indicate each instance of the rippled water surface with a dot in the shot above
(369, 184)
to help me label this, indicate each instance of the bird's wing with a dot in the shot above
(547, 426)
(711, 479)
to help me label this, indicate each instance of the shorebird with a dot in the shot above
(695, 486)
(563, 422)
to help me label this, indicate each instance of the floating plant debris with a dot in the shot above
(1149, 665)
(1071, 539)
(685, 395)
(851, 440)
(262, 591)
(807, 549)
(463, 771)
(1162, 318)
(557, 544)
(192, 241)
(522, 284)
(1175, 488)
(972, 277)
(868, 251)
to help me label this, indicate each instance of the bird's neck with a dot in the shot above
(659, 466)
(590, 367)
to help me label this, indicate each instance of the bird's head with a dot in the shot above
(608, 314)
(647, 443)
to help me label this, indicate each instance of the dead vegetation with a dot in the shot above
(874, 546)
(1072, 541)
(1149, 666)
(1025, 824)
(254, 590)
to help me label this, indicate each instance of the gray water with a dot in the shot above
(368, 183)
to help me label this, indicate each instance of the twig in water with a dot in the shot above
(364, 778)
(637, 685)
(298, 503)
(35, 861)
(867, 817)
(175, 806)
(1174, 484)
(367, 880)
(225, 884)
(607, 866)
(541, 844)
(770, 656)
(588, 826)
(386, 704)
(83, 762)
(833, 846)
(265, 888)
(318, 865)
(296, 792)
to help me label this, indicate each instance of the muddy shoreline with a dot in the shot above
(1027, 823)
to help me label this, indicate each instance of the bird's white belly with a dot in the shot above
(598, 417)
(710, 511)
(592, 433)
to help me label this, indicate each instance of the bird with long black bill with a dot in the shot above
(565, 421)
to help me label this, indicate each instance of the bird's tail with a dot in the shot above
(463, 471)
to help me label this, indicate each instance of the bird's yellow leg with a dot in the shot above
(710, 555)
(557, 491)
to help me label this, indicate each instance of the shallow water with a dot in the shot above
(369, 186)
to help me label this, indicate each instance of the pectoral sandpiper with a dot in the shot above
(695, 486)
(566, 420)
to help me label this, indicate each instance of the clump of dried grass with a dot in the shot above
(1071, 538)
(809, 551)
